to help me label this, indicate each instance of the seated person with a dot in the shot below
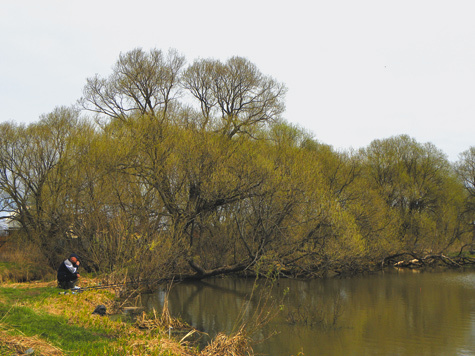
(68, 272)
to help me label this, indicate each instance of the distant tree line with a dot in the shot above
(164, 169)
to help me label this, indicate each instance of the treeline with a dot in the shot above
(164, 169)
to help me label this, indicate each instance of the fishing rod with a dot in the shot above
(77, 289)
(120, 284)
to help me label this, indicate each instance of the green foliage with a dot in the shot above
(419, 190)
(466, 172)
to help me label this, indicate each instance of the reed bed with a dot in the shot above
(238, 344)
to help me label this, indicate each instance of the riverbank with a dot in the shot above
(39, 318)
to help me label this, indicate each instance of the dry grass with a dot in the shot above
(156, 346)
(164, 321)
(238, 344)
(23, 267)
(34, 284)
(23, 343)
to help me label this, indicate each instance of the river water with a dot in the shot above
(396, 312)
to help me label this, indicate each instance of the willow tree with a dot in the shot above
(224, 194)
(319, 233)
(234, 97)
(194, 177)
(466, 172)
(36, 164)
(140, 83)
(419, 186)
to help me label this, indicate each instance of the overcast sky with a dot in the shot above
(356, 70)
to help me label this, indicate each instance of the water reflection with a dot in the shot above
(396, 313)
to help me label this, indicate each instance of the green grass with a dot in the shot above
(18, 318)
(22, 295)
(54, 329)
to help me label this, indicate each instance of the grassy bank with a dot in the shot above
(35, 317)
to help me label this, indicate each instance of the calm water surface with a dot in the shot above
(391, 313)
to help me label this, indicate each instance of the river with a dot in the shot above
(396, 312)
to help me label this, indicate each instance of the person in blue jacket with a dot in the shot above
(68, 272)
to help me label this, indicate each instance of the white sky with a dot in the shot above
(356, 70)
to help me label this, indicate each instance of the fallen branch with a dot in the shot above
(458, 261)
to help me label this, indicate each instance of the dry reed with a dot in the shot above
(238, 344)
(163, 321)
